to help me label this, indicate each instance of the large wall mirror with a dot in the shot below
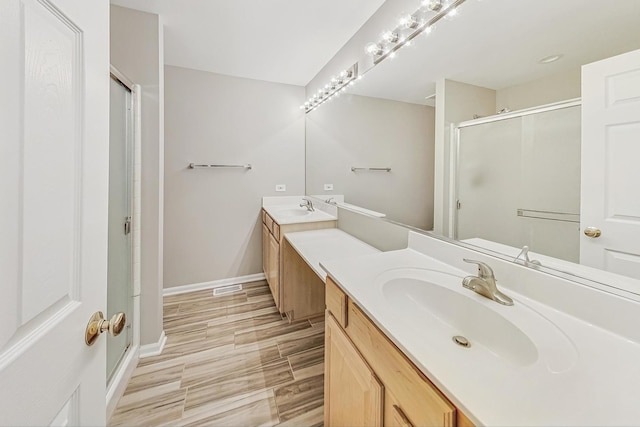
(474, 131)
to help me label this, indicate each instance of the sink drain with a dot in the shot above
(461, 341)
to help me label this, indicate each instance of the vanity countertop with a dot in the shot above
(327, 244)
(287, 210)
(575, 374)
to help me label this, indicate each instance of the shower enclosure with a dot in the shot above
(120, 256)
(518, 180)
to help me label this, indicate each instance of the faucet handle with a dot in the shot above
(484, 271)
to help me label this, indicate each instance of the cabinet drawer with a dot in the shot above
(336, 302)
(269, 223)
(421, 402)
(276, 230)
(264, 217)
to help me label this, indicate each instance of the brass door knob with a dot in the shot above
(592, 232)
(97, 325)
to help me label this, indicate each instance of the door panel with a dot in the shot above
(53, 175)
(52, 132)
(610, 153)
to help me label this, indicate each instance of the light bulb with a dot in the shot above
(432, 5)
(373, 49)
(408, 21)
(453, 12)
(390, 36)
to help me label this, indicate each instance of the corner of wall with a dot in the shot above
(455, 102)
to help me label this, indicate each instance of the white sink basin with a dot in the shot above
(293, 212)
(516, 334)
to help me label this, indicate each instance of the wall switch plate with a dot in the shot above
(328, 187)
(281, 187)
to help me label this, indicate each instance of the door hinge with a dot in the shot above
(458, 205)
(127, 225)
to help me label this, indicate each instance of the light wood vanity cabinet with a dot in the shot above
(285, 293)
(353, 394)
(409, 398)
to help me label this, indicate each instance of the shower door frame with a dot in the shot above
(455, 149)
(119, 380)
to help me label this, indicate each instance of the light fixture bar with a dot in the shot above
(331, 89)
(444, 11)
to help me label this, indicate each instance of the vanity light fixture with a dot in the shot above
(335, 86)
(410, 26)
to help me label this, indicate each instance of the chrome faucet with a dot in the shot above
(485, 283)
(306, 203)
(331, 201)
(524, 253)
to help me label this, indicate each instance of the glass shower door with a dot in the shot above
(518, 182)
(119, 273)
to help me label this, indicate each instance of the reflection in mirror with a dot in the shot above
(518, 181)
(520, 178)
(388, 143)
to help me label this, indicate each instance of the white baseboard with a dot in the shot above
(118, 384)
(211, 285)
(154, 349)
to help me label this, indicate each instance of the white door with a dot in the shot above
(54, 151)
(610, 185)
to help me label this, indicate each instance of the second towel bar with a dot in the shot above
(194, 166)
(353, 169)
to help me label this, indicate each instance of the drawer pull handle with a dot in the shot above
(401, 418)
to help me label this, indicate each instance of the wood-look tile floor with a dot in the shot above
(229, 361)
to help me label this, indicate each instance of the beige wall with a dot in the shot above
(555, 88)
(136, 51)
(378, 233)
(371, 132)
(455, 102)
(212, 227)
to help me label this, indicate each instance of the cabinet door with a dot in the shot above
(265, 250)
(273, 268)
(417, 399)
(353, 395)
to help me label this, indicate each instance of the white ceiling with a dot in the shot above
(498, 43)
(284, 41)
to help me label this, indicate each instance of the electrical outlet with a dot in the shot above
(281, 187)
(328, 187)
